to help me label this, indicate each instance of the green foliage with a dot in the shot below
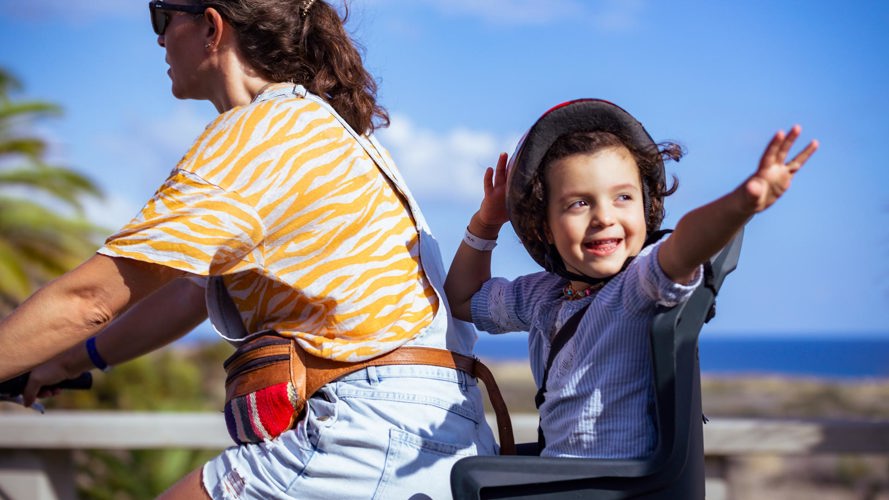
(139, 474)
(176, 379)
(852, 470)
(179, 379)
(38, 241)
(43, 233)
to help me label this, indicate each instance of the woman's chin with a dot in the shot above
(177, 92)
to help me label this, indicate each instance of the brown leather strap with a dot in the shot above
(255, 354)
(320, 371)
(254, 380)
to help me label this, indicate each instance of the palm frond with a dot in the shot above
(8, 84)
(27, 109)
(14, 281)
(23, 146)
(62, 183)
(37, 242)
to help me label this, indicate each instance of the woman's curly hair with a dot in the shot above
(529, 212)
(286, 43)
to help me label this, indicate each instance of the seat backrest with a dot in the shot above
(674, 470)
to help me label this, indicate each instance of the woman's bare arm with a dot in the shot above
(74, 307)
(164, 316)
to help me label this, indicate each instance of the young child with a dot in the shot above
(584, 192)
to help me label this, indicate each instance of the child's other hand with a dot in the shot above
(774, 174)
(493, 209)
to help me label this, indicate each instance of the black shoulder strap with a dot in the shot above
(562, 337)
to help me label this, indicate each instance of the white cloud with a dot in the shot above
(111, 212)
(128, 164)
(135, 160)
(446, 165)
(146, 151)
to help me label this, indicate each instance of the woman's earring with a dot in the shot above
(208, 46)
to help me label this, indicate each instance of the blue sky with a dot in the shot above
(463, 79)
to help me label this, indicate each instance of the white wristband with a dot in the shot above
(478, 243)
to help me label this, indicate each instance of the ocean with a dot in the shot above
(823, 356)
(817, 355)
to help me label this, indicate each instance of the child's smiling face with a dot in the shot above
(595, 215)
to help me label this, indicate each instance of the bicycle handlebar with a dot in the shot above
(15, 386)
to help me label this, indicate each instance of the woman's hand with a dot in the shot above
(49, 373)
(775, 173)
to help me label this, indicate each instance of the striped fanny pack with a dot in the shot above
(262, 397)
(269, 378)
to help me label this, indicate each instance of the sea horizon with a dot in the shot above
(853, 355)
(834, 355)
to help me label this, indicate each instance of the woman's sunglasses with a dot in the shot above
(160, 13)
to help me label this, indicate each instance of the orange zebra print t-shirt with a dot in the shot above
(311, 238)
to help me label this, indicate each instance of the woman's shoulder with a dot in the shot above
(255, 115)
(281, 123)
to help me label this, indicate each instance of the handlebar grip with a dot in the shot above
(81, 382)
(15, 386)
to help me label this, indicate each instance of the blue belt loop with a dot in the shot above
(373, 376)
(461, 379)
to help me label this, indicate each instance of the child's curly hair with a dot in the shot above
(529, 212)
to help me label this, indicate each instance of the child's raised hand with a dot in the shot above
(774, 174)
(493, 209)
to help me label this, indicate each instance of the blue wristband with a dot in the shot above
(94, 355)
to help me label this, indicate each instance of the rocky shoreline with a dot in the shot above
(743, 395)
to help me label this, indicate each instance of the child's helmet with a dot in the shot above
(581, 115)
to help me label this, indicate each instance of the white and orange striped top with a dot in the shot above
(312, 239)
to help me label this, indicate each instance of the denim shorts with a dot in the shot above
(382, 432)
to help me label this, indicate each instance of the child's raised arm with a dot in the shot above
(471, 267)
(705, 230)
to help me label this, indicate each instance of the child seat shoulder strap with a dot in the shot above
(562, 337)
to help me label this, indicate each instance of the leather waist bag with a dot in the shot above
(269, 378)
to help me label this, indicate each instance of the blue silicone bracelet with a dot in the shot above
(94, 355)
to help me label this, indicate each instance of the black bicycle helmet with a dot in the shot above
(581, 115)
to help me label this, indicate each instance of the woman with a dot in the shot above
(307, 230)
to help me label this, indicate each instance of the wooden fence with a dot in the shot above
(36, 464)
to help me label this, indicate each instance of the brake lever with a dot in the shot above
(20, 400)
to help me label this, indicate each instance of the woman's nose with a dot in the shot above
(160, 40)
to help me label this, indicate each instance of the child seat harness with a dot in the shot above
(562, 337)
(570, 328)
